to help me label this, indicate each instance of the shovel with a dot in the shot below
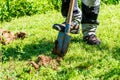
(63, 39)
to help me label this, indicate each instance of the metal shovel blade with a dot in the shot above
(63, 43)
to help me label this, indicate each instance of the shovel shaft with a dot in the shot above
(69, 16)
(67, 28)
(70, 12)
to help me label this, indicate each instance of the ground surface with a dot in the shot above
(82, 62)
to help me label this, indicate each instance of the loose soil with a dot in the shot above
(7, 36)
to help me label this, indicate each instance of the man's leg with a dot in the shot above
(76, 19)
(90, 11)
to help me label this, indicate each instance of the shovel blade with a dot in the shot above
(66, 43)
(63, 41)
(60, 40)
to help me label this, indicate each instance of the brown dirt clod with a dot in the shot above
(21, 35)
(35, 65)
(7, 36)
(46, 61)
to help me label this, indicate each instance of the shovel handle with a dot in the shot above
(70, 12)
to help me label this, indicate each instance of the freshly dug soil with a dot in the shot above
(7, 36)
(46, 61)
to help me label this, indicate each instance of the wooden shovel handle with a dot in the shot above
(70, 12)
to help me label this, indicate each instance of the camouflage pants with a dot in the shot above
(87, 16)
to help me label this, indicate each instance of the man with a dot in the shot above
(87, 17)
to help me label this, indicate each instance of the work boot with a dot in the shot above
(73, 29)
(92, 40)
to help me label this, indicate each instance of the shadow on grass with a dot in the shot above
(116, 52)
(28, 51)
(103, 48)
(45, 47)
(113, 73)
(88, 47)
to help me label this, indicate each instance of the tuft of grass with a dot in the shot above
(81, 62)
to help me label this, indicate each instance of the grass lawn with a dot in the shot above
(82, 61)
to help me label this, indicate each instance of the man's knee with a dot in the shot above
(91, 3)
(90, 11)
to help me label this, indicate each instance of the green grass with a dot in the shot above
(82, 62)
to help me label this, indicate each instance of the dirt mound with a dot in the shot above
(46, 61)
(8, 36)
